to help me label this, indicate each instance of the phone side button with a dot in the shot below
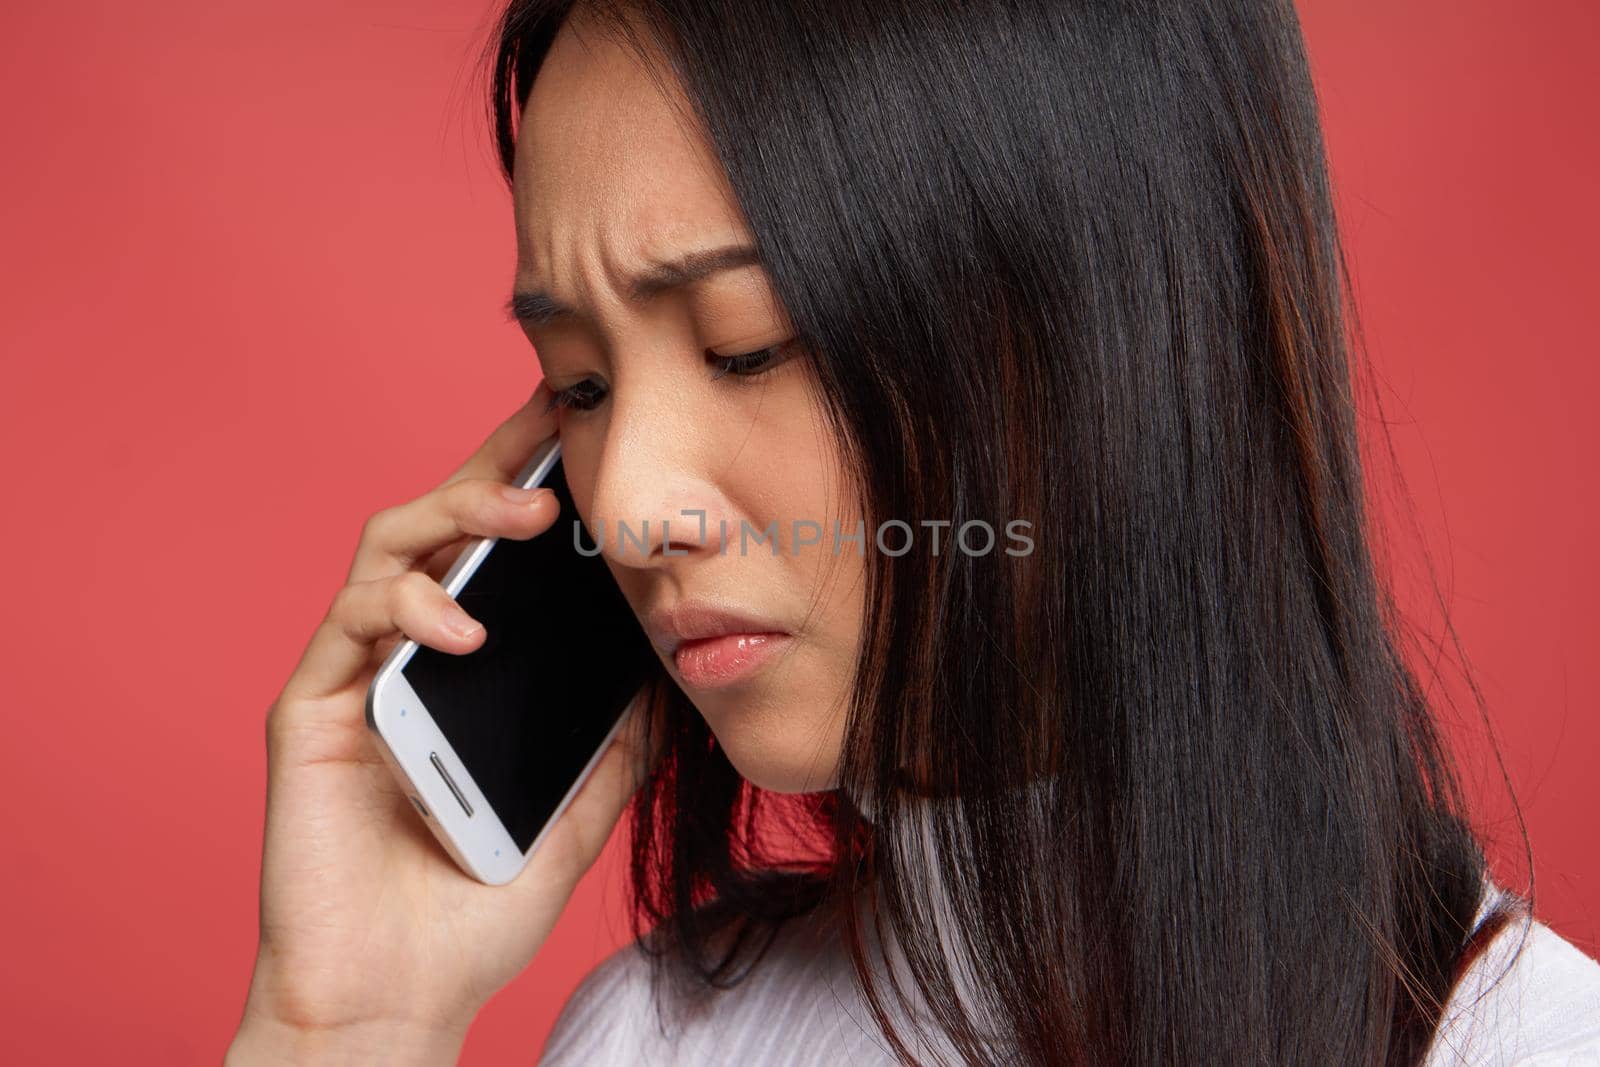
(416, 800)
(455, 790)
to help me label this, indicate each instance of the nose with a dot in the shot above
(655, 503)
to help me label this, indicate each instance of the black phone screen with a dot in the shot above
(562, 657)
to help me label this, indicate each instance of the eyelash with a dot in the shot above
(582, 397)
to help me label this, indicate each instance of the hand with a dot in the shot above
(373, 942)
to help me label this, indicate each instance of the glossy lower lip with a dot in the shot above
(715, 661)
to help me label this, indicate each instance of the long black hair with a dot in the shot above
(1177, 792)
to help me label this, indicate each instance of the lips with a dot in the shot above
(714, 644)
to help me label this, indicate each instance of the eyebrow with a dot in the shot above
(535, 307)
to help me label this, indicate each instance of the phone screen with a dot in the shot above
(562, 657)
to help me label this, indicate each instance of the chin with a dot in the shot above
(785, 760)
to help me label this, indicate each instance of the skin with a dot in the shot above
(373, 945)
(609, 178)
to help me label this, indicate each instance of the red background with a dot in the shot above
(254, 255)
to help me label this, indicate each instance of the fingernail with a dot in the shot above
(460, 623)
(523, 497)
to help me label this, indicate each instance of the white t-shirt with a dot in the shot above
(800, 1007)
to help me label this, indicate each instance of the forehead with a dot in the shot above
(606, 147)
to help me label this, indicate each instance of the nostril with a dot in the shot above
(694, 530)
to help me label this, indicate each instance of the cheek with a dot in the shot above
(799, 467)
(790, 456)
(580, 449)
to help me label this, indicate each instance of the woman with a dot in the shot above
(1147, 781)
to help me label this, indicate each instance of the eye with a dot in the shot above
(747, 364)
(584, 396)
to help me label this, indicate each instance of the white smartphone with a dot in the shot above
(491, 745)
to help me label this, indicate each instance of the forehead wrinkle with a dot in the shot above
(533, 306)
(578, 173)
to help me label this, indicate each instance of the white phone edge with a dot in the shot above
(420, 757)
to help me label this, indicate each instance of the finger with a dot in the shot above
(644, 734)
(394, 539)
(639, 742)
(410, 604)
(508, 447)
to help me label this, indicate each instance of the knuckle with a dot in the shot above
(342, 606)
(376, 528)
(479, 501)
(276, 726)
(412, 587)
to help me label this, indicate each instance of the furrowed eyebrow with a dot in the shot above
(534, 307)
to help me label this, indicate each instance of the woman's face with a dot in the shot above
(609, 185)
